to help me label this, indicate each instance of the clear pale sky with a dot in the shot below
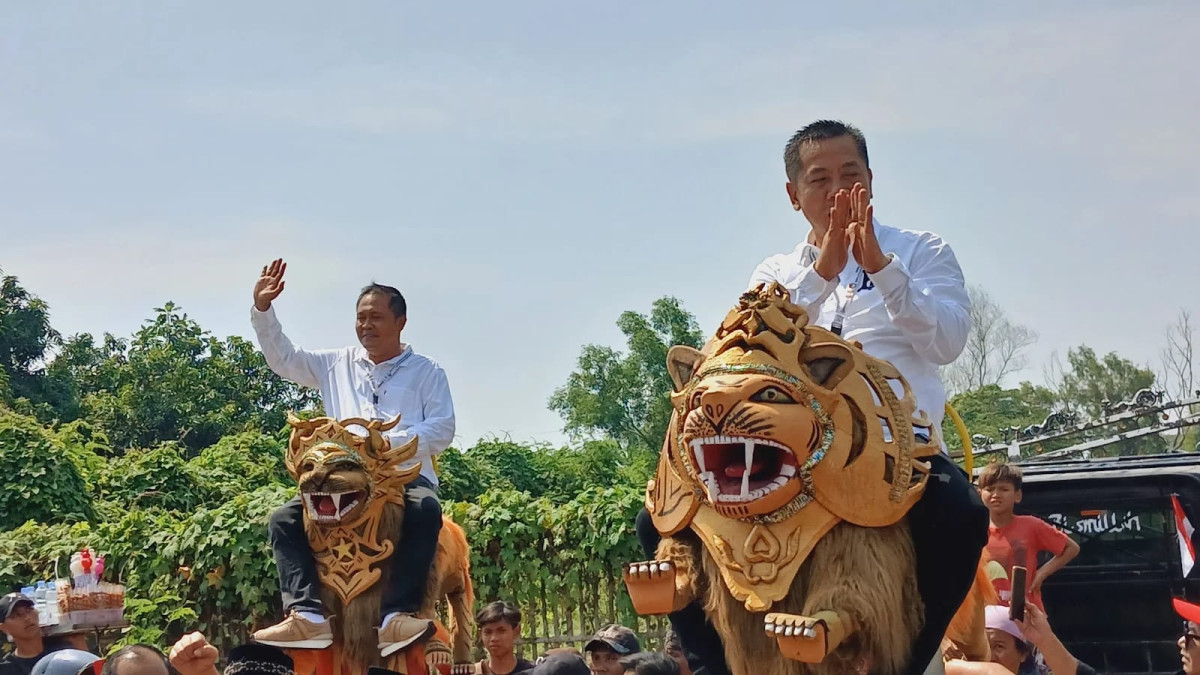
(525, 171)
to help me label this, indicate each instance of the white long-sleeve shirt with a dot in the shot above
(418, 390)
(913, 313)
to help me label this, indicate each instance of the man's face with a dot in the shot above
(826, 166)
(498, 638)
(377, 327)
(22, 623)
(999, 497)
(605, 661)
(1189, 649)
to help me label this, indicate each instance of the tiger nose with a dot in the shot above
(716, 404)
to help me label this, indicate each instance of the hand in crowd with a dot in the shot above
(192, 655)
(269, 285)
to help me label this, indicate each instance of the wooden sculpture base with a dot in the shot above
(329, 661)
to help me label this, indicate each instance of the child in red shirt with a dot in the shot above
(1017, 540)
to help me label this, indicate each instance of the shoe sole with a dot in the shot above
(397, 646)
(321, 643)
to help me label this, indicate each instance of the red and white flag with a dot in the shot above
(1184, 529)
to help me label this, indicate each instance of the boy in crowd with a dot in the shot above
(19, 621)
(499, 626)
(1017, 540)
(608, 646)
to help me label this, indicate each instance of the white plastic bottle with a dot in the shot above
(52, 603)
(39, 601)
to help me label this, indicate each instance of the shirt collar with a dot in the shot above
(362, 357)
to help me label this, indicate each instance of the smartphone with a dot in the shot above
(1016, 608)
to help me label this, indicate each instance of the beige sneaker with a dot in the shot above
(403, 630)
(296, 632)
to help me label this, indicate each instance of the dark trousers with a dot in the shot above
(949, 530)
(411, 562)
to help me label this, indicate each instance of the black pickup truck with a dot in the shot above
(1111, 606)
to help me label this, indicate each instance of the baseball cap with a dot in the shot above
(996, 616)
(10, 602)
(617, 638)
(561, 664)
(1187, 610)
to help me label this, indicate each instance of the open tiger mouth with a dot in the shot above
(331, 507)
(737, 469)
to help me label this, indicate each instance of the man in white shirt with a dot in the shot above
(901, 294)
(377, 380)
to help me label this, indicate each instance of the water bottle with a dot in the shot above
(39, 602)
(52, 603)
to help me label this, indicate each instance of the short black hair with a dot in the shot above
(650, 663)
(819, 131)
(395, 300)
(499, 611)
(111, 663)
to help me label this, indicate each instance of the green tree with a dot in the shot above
(174, 381)
(26, 338)
(40, 481)
(1088, 379)
(626, 397)
(990, 409)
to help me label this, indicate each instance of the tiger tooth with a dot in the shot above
(749, 466)
(698, 451)
(787, 470)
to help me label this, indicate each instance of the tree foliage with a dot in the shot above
(40, 481)
(1088, 380)
(625, 397)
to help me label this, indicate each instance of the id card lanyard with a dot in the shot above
(858, 280)
(375, 387)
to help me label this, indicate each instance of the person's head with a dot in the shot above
(138, 659)
(1009, 646)
(19, 617)
(1000, 487)
(821, 159)
(66, 662)
(649, 663)
(258, 659)
(1189, 642)
(380, 316)
(499, 626)
(561, 662)
(608, 646)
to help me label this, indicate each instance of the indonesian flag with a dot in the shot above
(1184, 530)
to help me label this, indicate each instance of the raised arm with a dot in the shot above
(289, 362)
(436, 432)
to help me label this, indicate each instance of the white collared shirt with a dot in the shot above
(913, 313)
(418, 390)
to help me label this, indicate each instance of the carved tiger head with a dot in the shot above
(340, 472)
(770, 399)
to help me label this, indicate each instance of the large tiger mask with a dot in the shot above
(791, 461)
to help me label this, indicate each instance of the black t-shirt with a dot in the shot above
(16, 665)
(523, 666)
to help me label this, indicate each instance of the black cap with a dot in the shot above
(617, 638)
(10, 602)
(561, 664)
(259, 659)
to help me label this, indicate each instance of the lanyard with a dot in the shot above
(395, 367)
(859, 281)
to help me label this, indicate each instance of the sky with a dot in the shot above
(526, 171)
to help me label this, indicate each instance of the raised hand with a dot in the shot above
(833, 256)
(269, 285)
(861, 232)
(192, 655)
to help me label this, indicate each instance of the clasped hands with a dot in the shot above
(851, 231)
